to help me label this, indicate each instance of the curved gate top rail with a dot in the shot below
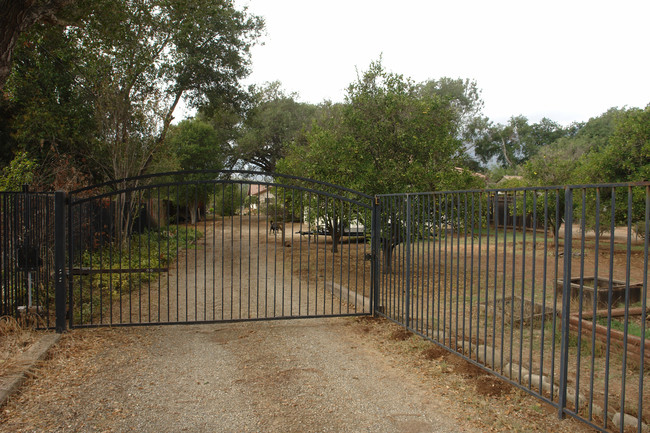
(221, 176)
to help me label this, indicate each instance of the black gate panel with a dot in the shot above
(216, 246)
(26, 259)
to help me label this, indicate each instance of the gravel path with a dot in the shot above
(313, 375)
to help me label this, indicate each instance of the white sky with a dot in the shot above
(568, 60)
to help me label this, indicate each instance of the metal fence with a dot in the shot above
(546, 288)
(27, 256)
(216, 246)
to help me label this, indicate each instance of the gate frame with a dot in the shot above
(64, 202)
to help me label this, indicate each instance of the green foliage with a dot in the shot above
(390, 135)
(387, 137)
(148, 250)
(515, 142)
(229, 198)
(107, 85)
(51, 109)
(197, 146)
(632, 328)
(274, 122)
(625, 157)
(19, 172)
(557, 163)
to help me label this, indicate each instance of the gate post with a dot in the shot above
(566, 300)
(375, 241)
(407, 283)
(59, 260)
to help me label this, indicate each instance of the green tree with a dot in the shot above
(274, 121)
(19, 172)
(387, 137)
(197, 146)
(16, 18)
(626, 155)
(169, 51)
(624, 158)
(139, 59)
(515, 142)
(49, 112)
(464, 97)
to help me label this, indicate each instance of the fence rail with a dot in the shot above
(546, 288)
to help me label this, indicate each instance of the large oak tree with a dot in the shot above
(17, 17)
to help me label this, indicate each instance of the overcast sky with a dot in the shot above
(566, 60)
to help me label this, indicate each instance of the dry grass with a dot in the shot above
(489, 404)
(15, 337)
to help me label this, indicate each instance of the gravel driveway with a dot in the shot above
(314, 375)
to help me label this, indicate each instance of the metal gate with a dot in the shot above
(209, 246)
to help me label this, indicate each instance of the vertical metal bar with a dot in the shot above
(429, 283)
(407, 300)
(556, 253)
(422, 259)
(487, 276)
(626, 322)
(478, 276)
(457, 288)
(283, 220)
(523, 283)
(504, 277)
(532, 289)
(375, 254)
(445, 279)
(249, 252)
(266, 256)
(544, 283)
(326, 215)
(237, 206)
(583, 217)
(70, 217)
(59, 259)
(471, 276)
(512, 281)
(495, 212)
(612, 229)
(316, 236)
(566, 300)
(594, 307)
(259, 211)
(644, 300)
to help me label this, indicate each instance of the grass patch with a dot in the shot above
(633, 328)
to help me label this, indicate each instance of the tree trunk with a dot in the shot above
(16, 17)
(194, 207)
(387, 248)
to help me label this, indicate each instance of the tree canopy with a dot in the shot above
(387, 137)
(274, 121)
(130, 64)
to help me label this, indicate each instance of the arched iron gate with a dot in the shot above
(206, 246)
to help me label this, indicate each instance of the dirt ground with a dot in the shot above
(291, 376)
